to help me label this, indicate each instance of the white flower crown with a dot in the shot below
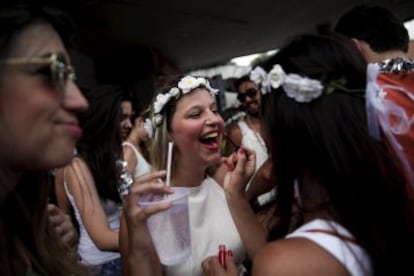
(185, 85)
(301, 89)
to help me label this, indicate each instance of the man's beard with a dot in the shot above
(254, 112)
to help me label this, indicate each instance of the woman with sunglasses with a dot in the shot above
(39, 103)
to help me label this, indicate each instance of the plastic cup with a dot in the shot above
(170, 229)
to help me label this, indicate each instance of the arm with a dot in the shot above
(252, 233)
(296, 257)
(138, 254)
(81, 185)
(130, 158)
(262, 181)
(61, 197)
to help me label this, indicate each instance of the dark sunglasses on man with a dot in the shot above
(251, 93)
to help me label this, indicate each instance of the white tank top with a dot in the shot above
(252, 140)
(142, 166)
(352, 256)
(211, 224)
(87, 250)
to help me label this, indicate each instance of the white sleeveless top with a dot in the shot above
(252, 140)
(352, 256)
(87, 250)
(211, 224)
(142, 166)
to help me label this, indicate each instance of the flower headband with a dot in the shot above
(185, 85)
(301, 89)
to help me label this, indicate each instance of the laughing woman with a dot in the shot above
(186, 114)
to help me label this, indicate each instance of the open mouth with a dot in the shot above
(210, 139)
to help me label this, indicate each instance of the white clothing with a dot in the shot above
(352, 256)
(87, 250)
(142, 166)
(211, 225)
(252, 140)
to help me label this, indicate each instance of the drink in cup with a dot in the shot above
(170, 229)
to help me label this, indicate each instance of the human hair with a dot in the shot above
(26, 240)
(327, 142)
(101, 144)
(15, 17)
(241, 80)
(159, 145)
(162, 130)
(382, 29)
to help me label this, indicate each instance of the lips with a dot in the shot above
(72, 128)
(211, 141)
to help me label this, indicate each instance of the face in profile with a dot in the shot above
(38, 106)
(249, 97)
(126, 114)
(197, 128)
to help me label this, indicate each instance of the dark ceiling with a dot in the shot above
(190, 34)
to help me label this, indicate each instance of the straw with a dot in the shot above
(169, 159)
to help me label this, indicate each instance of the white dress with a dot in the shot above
(352, 256)
(142, 166)
(90, 254)
(211, 225)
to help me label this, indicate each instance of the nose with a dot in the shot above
(214, 119)
(73, 99)
(128, 123)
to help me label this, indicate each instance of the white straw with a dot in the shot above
(169, 159)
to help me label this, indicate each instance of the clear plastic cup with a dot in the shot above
(170, 229)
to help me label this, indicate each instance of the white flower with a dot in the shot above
(276, 76)
(212, 90)
(148, 127)
(160, 102)
(157, 120)
(302, 89)
(258, 75)
(188, 83)
(174, 92)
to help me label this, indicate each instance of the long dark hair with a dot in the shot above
(100, 145)
(25, 235)
(327, 141)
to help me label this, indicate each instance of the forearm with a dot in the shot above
(143, 264)
(251, 231)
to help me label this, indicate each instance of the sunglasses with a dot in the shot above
(251, 93)
(59, 71)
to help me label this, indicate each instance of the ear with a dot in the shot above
(357, 43)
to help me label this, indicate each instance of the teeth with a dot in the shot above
(211, 135)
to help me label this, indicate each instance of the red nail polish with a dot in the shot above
(222, 255)
(230, 253)
(241, 150)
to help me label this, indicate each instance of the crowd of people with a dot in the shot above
(315, 178)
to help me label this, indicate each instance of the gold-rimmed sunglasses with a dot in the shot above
(60, 71)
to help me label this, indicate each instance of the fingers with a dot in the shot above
(149, 177)
(231, 264)
(212, 267)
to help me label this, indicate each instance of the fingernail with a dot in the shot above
(230, 253)
(241, 150)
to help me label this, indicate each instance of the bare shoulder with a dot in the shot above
(78, 173)
(296, 256)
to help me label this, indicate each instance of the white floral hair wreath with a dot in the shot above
(301, 89)
(185, 85)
